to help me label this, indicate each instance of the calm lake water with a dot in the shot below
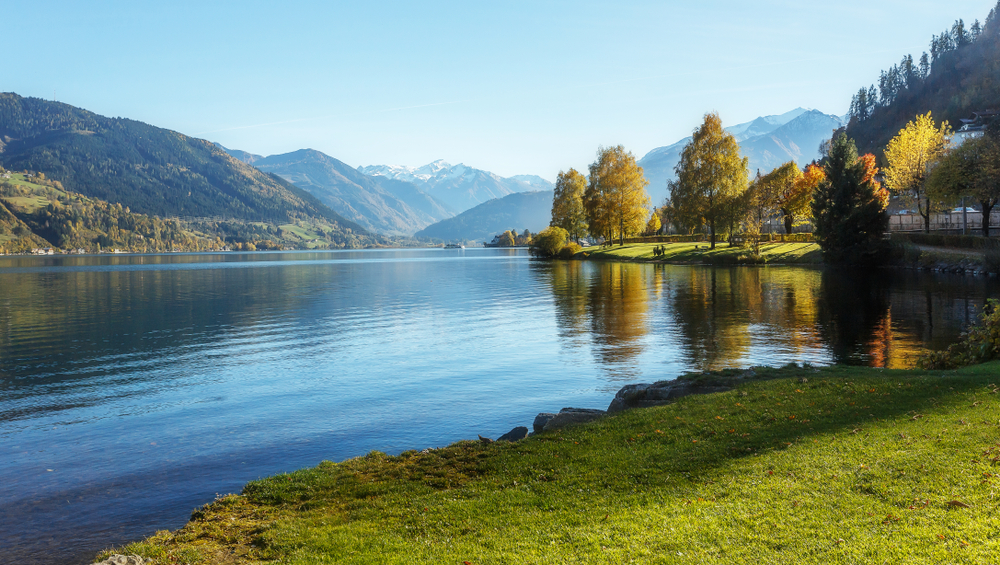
(136, 388)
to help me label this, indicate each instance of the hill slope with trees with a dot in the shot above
(151, 170)
(957, 78)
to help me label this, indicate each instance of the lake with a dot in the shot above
(134, 388)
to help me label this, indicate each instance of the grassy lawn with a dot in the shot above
(801, 253)
(796, 465)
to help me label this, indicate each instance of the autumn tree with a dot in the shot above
(568, 211)
(796, 202)
(849, 206)
(711, 176)
(615, 200)
(910, 156)
(654, 224)
(549, 242)
(970, 170)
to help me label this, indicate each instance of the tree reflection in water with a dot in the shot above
(704, 318)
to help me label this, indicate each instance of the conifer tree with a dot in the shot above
(849, 207)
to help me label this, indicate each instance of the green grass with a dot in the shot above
(798, 253)
(797, 465)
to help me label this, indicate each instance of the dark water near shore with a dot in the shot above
(135, 388)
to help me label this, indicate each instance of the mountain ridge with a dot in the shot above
(519, 211)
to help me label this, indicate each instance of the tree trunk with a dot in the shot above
(926, 214)
(711, 234)
(987, 207)
(621, 232)
(788, 221)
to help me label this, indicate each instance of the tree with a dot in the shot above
(549, 242)
(711, 176)
(507, 239)
(654, 224)
(568, 211)
(785, 194)
(849, 206)
(910, 156)
(796, 201)
(616, 199)
(972, 170)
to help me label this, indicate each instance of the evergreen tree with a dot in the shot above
(849, 207)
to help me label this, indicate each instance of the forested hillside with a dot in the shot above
(961, 75)
(151, 170)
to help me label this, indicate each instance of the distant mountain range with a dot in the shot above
(518, 211)
(381, 204)
(767, 141)
(459, 186)
(394, 200)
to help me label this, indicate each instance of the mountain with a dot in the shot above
(151, 170)
(767, 141)
(380, 204)
(459, 186)
(518, 211)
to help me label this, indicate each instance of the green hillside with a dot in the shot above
(155, 172)
(959, 77)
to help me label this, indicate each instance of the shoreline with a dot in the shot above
(717, 442)
(918, 257)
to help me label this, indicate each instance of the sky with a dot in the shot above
(513, 87)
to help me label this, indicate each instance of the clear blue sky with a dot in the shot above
(515, 87)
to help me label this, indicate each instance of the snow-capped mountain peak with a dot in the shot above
(460, 186)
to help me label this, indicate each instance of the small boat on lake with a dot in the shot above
(454, 246)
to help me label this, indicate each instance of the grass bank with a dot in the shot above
(694, 253)
(798, 464)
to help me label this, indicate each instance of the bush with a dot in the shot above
(549, 242)
(991, 261)
(569, 250)
(946, 240)
(979, 345)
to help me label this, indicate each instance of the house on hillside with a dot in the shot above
(975, 126)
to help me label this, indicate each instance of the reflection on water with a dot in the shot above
(134, 388)
(711, 318)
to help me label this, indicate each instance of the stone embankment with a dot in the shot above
(124, 560)
(631, 396)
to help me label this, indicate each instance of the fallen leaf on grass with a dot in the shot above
(958, 504)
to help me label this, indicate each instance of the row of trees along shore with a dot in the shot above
(840, 194)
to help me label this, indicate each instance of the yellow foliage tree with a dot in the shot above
(654, 224)
(711, 178)
(616, 200)
(798, 200)
(911, 155)
(568, 212)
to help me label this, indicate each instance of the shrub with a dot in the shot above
(979, 345)
(946, 240)
(991, 260)
(549, 242)
(569, 250)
